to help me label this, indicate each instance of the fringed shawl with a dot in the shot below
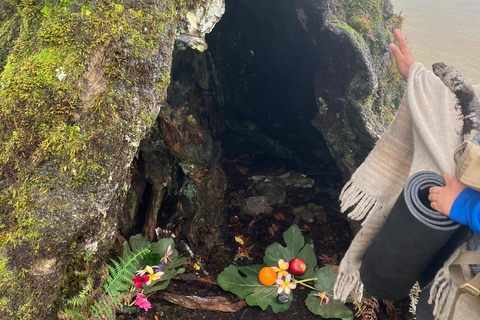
(422, 137)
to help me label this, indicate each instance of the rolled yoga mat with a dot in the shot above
(410, 238)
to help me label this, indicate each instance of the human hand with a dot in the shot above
(442, 198)
(403, 56)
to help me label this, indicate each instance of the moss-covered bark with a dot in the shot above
(82, 84)
(361, 107)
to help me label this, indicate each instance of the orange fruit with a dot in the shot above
(267, 276)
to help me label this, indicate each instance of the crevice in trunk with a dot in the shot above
(273, 87)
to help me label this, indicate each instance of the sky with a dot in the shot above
(444, 31)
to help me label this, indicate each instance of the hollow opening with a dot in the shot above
(249, 105)
(266, 59)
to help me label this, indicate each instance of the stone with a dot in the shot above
(274, 190)
(199, 22)
(254, 206)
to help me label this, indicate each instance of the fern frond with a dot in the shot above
(77, 307)
(104, 309)
(98, 304)
(122, 272)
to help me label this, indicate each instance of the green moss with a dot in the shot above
(7, 277)
(396, 21)
(9, 28)
(57, 128)
(364, 16)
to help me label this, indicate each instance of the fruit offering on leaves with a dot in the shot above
(267, 276)
(297, 267)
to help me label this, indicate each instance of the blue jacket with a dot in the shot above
(466, 209)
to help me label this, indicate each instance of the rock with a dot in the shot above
(254, 206)
(296, 180)
(310, 211)
(282, 298)
(321, 217)
(200, 22)
(274, 190)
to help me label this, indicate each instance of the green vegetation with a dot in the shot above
(65, 108)
(364, 15)
(117, 287)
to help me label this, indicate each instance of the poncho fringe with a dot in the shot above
(422, 137)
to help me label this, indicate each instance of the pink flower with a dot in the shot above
(285, 285)
(322, 296)
(139, 279)
(167, 255)
(142, 302)
(281, 269)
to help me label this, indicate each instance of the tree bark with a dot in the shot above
(83, 83)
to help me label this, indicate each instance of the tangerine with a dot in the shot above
(267, 276)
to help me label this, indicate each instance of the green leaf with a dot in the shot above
(333, 309)
(296, 248)
(157, 286)
(180, 271)
(126, 249)
(325, 279)
(174, 264)
(162, 245)
(307, 254)
(138, 242)
(294, 239)
(275, 252)
(160, 284)
(243, 281)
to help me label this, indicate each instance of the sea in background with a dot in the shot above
(444, 31)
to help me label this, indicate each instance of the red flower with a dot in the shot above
(139, 279)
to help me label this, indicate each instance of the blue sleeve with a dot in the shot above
(466, 209)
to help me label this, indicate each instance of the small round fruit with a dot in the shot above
(297, 267)
(282, 298)
(267, 276)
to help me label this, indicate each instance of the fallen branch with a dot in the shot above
(216, 303)
(467, 99)
(192, 277)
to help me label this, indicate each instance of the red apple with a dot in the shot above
(297, 267)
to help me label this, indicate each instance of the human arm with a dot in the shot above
(460, 203)
(466, 209)
(403, 56)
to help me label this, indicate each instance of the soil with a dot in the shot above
(329, 232)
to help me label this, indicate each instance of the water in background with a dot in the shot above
(444, 31)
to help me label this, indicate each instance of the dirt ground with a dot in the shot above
(329, 232)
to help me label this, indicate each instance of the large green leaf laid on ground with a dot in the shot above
(334, 309)
(296, 248)
(243, 281)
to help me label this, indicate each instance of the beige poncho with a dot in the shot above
(422, 137)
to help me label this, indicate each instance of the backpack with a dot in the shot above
(466, 303)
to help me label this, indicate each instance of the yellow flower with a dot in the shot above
(285, 285)
(147, 269)
(281, 269)
(322, 296)
(154, 277)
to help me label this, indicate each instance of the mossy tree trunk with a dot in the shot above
(359, 90)
(83, 82)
